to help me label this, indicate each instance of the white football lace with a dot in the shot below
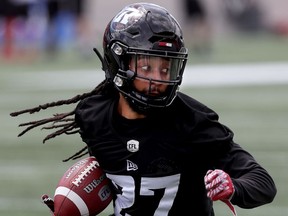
(85, 172)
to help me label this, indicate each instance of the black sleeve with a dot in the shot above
(253, 185)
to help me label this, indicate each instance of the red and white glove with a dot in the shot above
(49, 202)
(219, 185)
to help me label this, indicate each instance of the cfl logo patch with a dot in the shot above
(133, 145)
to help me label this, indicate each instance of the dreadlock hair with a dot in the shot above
(63, 122)
(66, 121)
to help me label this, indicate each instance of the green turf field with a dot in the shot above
(257, 115)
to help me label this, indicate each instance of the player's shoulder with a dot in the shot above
(190, 104)
(92, 108)
(93, 102)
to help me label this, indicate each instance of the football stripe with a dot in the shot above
(75, 198)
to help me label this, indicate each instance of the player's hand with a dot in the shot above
(48, 201)
(219, 185)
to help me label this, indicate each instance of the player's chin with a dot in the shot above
(155, 93)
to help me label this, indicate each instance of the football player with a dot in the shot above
(164, 152)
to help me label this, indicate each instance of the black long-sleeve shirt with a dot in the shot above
(157, 164)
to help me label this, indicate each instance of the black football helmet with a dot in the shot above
(143, 29)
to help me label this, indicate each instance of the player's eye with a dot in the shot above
(165, 70)
(145, 68)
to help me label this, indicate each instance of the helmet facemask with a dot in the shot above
(149, 78)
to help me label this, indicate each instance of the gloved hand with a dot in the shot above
(219, 185)
(48, 201)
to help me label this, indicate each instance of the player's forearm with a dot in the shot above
(254, 189)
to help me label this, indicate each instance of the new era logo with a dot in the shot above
(131, 166)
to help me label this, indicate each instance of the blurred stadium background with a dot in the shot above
(238, 65)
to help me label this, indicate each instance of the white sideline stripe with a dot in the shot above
(194, 75)
(236, 74)
(75, 198)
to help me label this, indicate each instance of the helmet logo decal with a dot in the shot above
(126, 18)
(133, 145)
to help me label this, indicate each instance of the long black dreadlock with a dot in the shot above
(65, 121)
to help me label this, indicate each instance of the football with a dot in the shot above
(82, 190)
